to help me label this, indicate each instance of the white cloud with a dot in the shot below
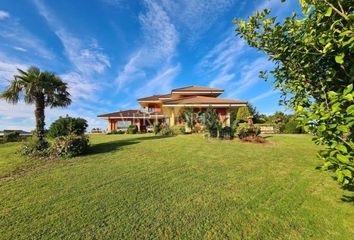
(21, 116)
(263, 96)
(249, 76)
(13, 33)
(161, 83)
(222, 60)
(195, 16)
(7, 69)
(277, 7)
(86, 57)
(159, 47)
(19, 110)
(20, 49)
(4, 15)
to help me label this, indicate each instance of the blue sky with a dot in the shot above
(113, 51)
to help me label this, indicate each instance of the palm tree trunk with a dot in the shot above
(39, 114)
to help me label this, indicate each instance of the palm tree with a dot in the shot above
(44, 89)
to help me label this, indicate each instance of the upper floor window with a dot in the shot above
(153, 108)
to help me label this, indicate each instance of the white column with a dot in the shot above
(172, 118)
(228, 120)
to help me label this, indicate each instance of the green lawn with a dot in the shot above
(146, 187)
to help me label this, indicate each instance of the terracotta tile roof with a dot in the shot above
(130, 114)
(204, 100)
(154, 97)
(126, 114)
(151, 98)
(197, 88)
(155, 113)
(165, 96)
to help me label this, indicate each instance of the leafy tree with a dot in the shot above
(242, 114)
(313, 57)
(292, 126)
(41, 88)
(262, 118)
(189, 117)
(209, 118)
(64, 126)
(279, 119)
(254, 113)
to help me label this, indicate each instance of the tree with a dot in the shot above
(242, 114)
(313, 57)
(189, 117)
(210, 118)
(44, 89)
(254, 113)
(65, 126)
(279, 119)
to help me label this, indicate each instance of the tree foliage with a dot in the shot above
(64, 126)
(314, 70)
(254, 113)
(44, 89)
(210, 118)
(189, 117)
(242, 114)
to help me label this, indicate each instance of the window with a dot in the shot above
(152, 108)
(123, 124)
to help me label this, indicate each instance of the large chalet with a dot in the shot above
(166, 108)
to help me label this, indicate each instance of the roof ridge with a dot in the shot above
(196, 86)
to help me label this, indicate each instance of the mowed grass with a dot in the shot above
(184, 187)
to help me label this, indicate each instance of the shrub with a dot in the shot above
(132, 129)
(12, 137)
(35, 148)
(189, 117)
(178, 129)
(209, 118)
(64, 126)
(213, 132)
(198, 128)
(70, 146)
(243, 131)
(157, 127)
(242, 114)
(116, 132)
(292, 127)
(165, 130)
(226, 133)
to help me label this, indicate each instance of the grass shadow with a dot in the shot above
(348, 199)
(266, 137)
(117, 144)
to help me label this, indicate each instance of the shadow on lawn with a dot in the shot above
(349, 188)
(115, 145)
(348, 198)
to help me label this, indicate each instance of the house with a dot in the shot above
(167, 108)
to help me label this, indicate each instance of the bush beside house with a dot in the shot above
(178, 129)
(116, 132)
(165, 130)
(132, 129)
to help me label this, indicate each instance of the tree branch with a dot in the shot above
(338, 11)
